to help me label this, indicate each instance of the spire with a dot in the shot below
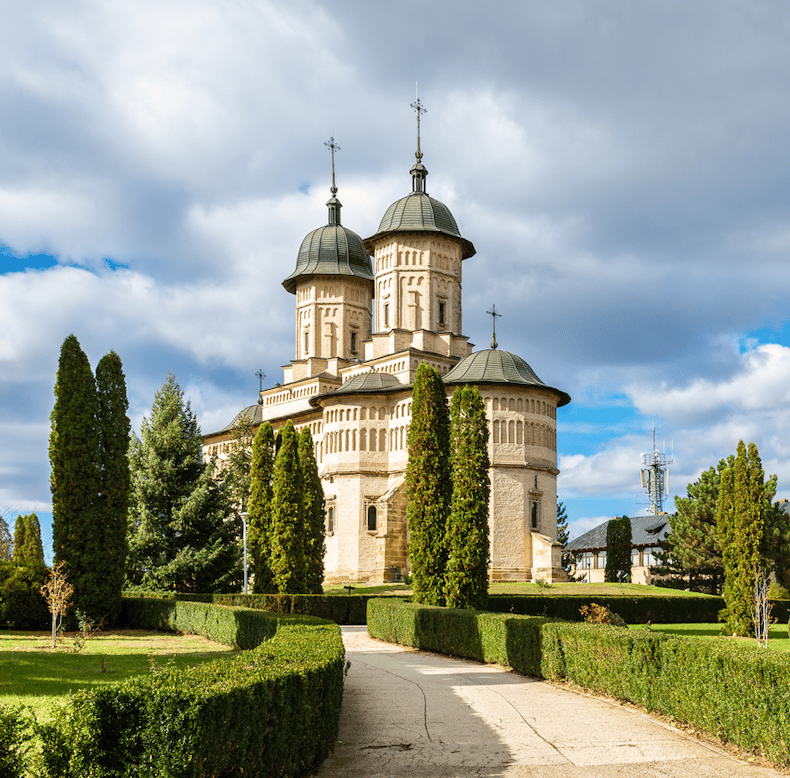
(418, 172)
(333, 203)
(493, 314)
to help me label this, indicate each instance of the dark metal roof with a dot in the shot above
(252, 413)
(645, 531)
(495, 366)
(417, 212)
(332, 250)
(365, 383)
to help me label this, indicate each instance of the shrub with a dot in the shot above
(777, 591)
(23, 606)
(272, 710)
(731, 690)
(600, 614)
(15, 736)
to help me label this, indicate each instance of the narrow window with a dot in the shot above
(353, 341)
(330, 521)
(534, 512)
(386, 315)
(306, 343)
(371, 518)
(442, 307)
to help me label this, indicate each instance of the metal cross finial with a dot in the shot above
(417, 106)
(261, 375)
(333, 147)
(493, 314)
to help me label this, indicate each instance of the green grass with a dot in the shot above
(34, 675)
(778, 639)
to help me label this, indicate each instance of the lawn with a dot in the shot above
(778, 639)
(34, 675)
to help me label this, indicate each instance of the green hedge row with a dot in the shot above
(340, 608)
(734, 691)
(634, 609)
(272, 710)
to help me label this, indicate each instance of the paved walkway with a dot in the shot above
(411, 714)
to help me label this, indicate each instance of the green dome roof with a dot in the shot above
(417, 212)
(332, 250)
(494, 366)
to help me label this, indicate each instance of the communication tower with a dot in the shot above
(655, 477)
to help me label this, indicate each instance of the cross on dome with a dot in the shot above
(493, 314)
(418, 172)
(334, 203)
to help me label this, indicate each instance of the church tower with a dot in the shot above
(418, 253)
(333, 284)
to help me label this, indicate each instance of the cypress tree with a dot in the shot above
(27, 540)
(114, 480)
(428, 485)
(74, 457)
(236, 468)
(742, 508)
(183, 529)
(466, 576)
(313, 502)
(563, 536)
(260, 507)
(618, 550)
(287, 556)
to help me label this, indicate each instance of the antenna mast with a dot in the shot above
(655, 478)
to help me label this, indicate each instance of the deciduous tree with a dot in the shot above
(428, 485)
(466, 574)
(6, 542)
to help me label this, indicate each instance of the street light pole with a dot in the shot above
(244, 517)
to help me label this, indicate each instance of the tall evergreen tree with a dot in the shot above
(259, 509)
(74, 457)
(618, 550)
(27, 540)
(287, 554)
(114, 430)
(741, 511)
(313, 502)
(183, 530)
(428, 485)
(563, 536)
(466, 575)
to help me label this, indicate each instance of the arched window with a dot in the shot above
(382, 440)
(330, 521)
(520, 433)
(371, 518)
(363, 439)
(373, 440)
(511, 428)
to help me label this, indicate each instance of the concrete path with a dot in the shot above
(411, 714)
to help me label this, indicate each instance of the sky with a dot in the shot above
(621, 168)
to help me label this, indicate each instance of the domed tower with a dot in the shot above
(333, 284)
(418, 250)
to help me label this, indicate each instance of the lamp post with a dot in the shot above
(244, 517)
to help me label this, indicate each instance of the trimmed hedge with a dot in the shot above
(734, 691)
(634, 609)
(272, 710)
(340, 608)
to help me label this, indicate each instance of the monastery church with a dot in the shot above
(368, 312)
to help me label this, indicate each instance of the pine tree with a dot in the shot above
(183, 529)
(114, 481)
(563, 536)
(287, 555)
(428, 485)
(74, 456)
(618, 550)
(466, 575)
(27, 540)
(741, 511)
(259, 508)
(313, 502)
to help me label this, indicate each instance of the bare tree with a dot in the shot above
(57, 592)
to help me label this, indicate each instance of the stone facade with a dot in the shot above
(362, 329)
